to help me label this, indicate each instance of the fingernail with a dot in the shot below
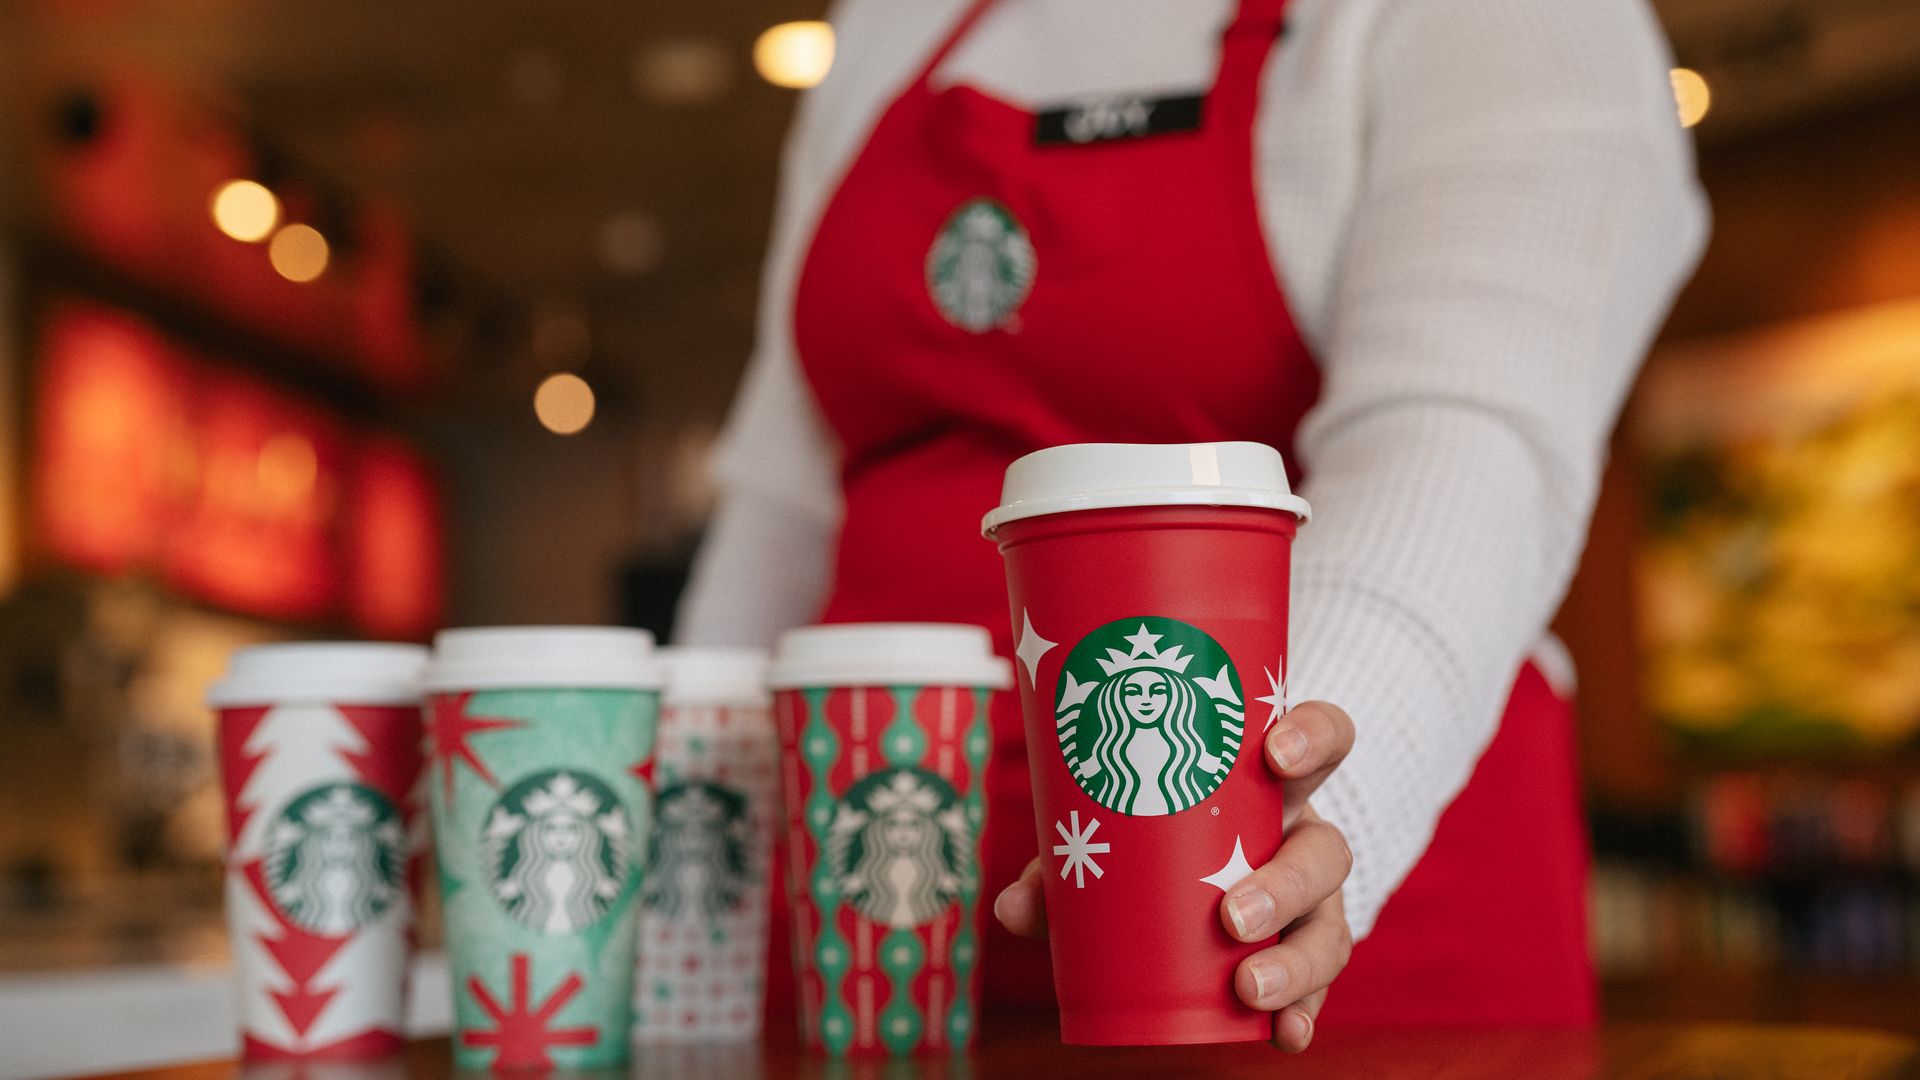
(1268, 979)
(1296, 1028)
(1288, 747)
(1249, 911)
(999, 905)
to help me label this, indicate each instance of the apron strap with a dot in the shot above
(960, 30)
(1244, 48)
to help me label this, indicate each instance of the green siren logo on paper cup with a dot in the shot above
(981, 266)
(900, 847)
(698, 864)
(556, 848)
(1149, 715)
(335, 856)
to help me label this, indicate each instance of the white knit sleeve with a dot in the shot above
(1527, 211)
(764, 564)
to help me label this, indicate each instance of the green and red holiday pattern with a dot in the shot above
(703, 907)
(542, 808)
(885, 805)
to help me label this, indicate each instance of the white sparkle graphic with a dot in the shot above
(1080, 850)
(1032, 647)
(1231, 874)
(1277, 699)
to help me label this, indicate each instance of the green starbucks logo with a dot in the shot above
(1149, 715)
(980, 268)
(698, 862)
(556, 849)
(335, 856)
(900, 847)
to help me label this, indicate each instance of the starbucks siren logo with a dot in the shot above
(900, 847)
(334, 858)
(556, 850)
(698, 864)
(1143, 734)
(980, 268)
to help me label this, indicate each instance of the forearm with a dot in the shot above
(763, 569)
(1417, 590)
(1511, 257)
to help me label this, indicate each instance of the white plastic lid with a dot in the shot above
(715, 676)
(343, 672)
(1101, 476)
(888, 654)
(516, 657)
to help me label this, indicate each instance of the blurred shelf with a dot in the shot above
(1696, 994)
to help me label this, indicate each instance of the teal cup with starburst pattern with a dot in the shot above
(885, 735)
(540, 765)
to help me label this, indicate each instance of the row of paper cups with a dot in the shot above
(602, 815)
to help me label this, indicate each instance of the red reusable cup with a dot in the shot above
(1148, 586)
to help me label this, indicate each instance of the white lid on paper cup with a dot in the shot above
(1103, 476)
(715, 676)
(344, 672)
(537, 657)
(888, 654)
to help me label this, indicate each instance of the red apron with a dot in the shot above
(973, 294)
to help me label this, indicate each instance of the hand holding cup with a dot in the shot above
(1295, 896)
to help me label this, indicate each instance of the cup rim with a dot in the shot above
(543, 658)
(1106, 476)
(377, 673)
(888, 655)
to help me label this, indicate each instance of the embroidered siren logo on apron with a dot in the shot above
(900, 847)
(556, 848)
(1149, 715)
(334, 858)
(698, 864)
(980, 268)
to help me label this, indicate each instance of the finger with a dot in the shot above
(1304, 963)
(1307, 743)
(1293, 1026)
(1020, 907)
(1312, 863)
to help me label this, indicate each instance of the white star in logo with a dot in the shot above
(1031, 648)
(1277, 699)
(1143, 641)
(1233, 873)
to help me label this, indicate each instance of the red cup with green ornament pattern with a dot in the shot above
(885, 737)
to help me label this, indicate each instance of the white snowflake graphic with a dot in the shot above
(1079, 849)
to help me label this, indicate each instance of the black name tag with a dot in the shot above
(1117, 116)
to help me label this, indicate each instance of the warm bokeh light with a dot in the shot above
(1690, 95)
(794, 54)
(631, 243)
(245, 210)
(564, 403)
(299, 253)
(288, 468)
(682, 71)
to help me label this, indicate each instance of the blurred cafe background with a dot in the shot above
(356, 318)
